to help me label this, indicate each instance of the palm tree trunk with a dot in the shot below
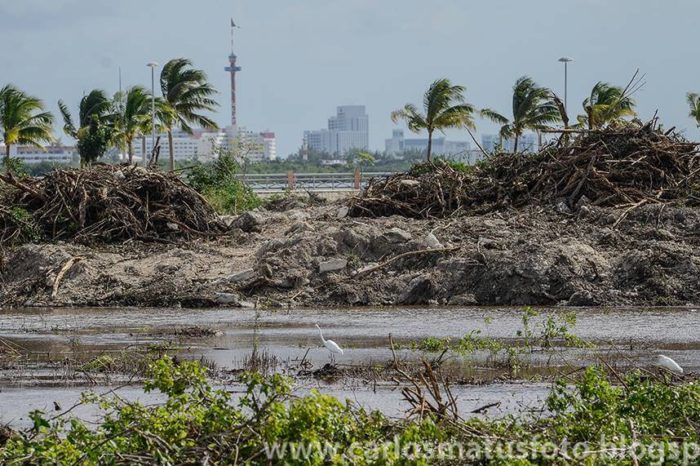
(7, 154)
(130, 151)
(515, 143)
(430, 146)
(143, 147)
(171, 150)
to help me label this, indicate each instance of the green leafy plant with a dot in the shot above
(220, 184)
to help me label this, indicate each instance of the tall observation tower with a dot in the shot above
(233, 69)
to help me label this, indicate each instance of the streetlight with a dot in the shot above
(565, 61)
(152, 65)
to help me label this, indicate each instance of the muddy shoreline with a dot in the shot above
(315, 256)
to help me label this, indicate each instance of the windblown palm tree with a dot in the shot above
(444, 106)
(694, 103)
(134, 118)
(534, 108)
(186, 92)
(23, 119)
(95, 128)
(607, 104)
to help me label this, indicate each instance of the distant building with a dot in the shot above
(347, 130)
(204, 145)
(441, 146)
(255, 147)
(526, 143)
(32, 154)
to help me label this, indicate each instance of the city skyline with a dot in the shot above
(292, 78)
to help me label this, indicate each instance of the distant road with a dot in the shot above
(280, 182)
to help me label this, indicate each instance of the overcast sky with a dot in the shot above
(302, 58)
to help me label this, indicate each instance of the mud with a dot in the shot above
(319, 256)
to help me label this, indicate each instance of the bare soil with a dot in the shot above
(531, 256)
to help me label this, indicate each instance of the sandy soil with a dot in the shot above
(536, 256)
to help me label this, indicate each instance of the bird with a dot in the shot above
(669, 364)
(330, 344)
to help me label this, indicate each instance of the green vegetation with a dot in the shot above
(533, 109)
(694, 104)
(606, 105)
(23, 120)
(643, 420)
(186, 92)
(95, 125)
(218, 182)
(444, 107)
(549, 334)
(133, 118)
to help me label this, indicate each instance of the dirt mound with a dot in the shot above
(104, 203)
(613, 168)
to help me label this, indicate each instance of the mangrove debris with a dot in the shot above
(103, 203)
(618, 167)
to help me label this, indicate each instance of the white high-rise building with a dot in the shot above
(347, 130)
(33, 154)
(204, 145)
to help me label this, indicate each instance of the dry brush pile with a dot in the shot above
(617, 167)
(103, 203)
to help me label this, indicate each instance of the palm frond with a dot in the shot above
(493, 115)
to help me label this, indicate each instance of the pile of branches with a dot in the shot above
(427, 190)
(103, 203)
(615, 167)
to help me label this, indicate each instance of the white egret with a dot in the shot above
(668, 363)
(330, 344)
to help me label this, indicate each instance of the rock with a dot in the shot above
(249, 222)
(562, 208)
(241, 276)
(173, 226)
(420, 290)
(231, 299)
(466, 299)
(343, 212)
(410, 183)
(432, 241)
(397, 235)
(227, 219)
(581, 298)
(332, 265)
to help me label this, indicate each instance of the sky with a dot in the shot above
(302, 58)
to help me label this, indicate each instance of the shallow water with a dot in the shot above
(627, 337)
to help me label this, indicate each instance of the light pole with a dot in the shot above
(565, 61)
(152, 65)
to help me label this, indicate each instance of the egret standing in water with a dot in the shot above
(330, 345)
(669, 364)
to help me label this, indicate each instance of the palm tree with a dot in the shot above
(23, 120)
(185, 93)
(694, 103)
(96, 121)
(534, 108)
(444, 106)
(607, 104)
(134, 118)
